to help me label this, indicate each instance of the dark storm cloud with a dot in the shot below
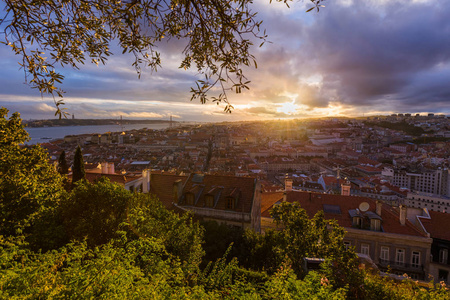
(368, 54)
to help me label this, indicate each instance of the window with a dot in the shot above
(190, 199)
(384, 254)
(443, 256)
(347, 245)
(365, 249)
(357, 222)
(230, 203)
(415, 259)
(209, 201)
(375, 225)
(400, 257)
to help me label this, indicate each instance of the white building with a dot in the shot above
(428, 201)
(427, 181)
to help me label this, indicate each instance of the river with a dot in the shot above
(45, 134)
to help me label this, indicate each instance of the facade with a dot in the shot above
(404, 148)
(373, 228)
(427, 181)
(429, 201)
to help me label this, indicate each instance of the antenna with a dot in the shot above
(364, 206)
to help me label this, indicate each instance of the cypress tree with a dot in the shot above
(63, 168)
(78, 166)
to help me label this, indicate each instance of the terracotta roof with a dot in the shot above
(240, 188)
(161, 185)
(329, 180)
(367, 161)
(368, 169)
(314, 202)
(438, 225)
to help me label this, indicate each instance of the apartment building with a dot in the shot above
(372, 228)
(429, 201)
(425, 180)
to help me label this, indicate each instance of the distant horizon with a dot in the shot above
(423, 114)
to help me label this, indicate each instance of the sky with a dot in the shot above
(353, 58)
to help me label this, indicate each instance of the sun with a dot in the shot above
(288, 108)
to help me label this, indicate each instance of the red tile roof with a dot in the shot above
(314, 202)
(329, 180)
(231, 186)
(438, 226)
(161, 185)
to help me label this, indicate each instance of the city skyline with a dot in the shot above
(351, 58)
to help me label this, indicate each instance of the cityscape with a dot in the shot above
(196, 149)
(397, 164)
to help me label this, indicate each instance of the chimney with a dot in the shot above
(402, 214)
(284, 197)
(146, 181)
(378, 208)
(345, 189)
(287, 184)
(104, 167)
(177, 190)
(111, 169)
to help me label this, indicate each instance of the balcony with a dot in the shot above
(396, 267)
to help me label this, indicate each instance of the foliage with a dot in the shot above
(30, 188)
(180, 235)
(400, 126)
(77, 271)
(94, 211)
(385, 288)
(285, 285)
(264, 252)
(63, 168)
(217, 239)
(78, 172)
(217, 36)
(303, 237)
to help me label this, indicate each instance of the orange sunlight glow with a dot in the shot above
(288, 108)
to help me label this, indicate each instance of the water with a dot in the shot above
(45, 134)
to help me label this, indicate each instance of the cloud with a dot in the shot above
(352, 57)
(43, 107)
(370, 54)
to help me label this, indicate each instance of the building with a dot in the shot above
(425, 180)
(429, 201)
(404, 148)
(372, 228)
(436, 224)
(135, 182)
(231, 200)
(283, 164)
